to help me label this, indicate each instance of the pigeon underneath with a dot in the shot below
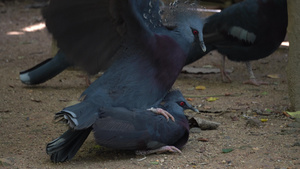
(124, 129)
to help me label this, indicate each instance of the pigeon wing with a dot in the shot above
(90, 32)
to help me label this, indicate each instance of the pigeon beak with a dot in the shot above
(202, 45)
(192, 108)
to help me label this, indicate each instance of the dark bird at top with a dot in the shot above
(246, 31)
(124, 129)
(142, 58)
(94, 34)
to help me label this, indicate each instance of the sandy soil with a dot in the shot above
(26, 112)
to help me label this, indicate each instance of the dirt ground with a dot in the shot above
(26, 112)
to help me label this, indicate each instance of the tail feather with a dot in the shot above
(79, 116)
(66, 146)
(45, 70)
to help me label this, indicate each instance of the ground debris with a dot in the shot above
(203, 70)
(203, 124)
(4, 162)
(254, 122)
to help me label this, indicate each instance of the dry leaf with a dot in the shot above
(263, 120)
(189, 99)
(203, 139)
(200, 87)
(273, 76)
(212, 99)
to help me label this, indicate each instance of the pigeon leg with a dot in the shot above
(164, 149)
(223, 71)
(160, 111)
(87, 79)
(252, 80)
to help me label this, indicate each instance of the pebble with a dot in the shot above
(195, 130)
(296, 144)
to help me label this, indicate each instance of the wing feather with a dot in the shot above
(90, 32)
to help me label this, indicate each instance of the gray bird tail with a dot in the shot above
(45, 70)
(79, 116)
(66, 146)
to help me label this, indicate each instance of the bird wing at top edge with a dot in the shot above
(90, 32)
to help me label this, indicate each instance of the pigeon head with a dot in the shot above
(176, 101)
(190, 27)
(186, 20)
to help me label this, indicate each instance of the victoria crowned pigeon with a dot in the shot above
(126, 37)
(249, 30)
(93, 34)
(124, 129)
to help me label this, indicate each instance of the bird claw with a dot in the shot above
(253, 81)
(225, 76)
(164, 149)
(163, 112)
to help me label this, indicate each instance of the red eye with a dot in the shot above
(195, 32)
(181, 103)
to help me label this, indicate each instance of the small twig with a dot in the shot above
(141, 159)
(217, 95)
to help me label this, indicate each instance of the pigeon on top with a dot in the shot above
(246, 31)
(142, 62)
(124, 129)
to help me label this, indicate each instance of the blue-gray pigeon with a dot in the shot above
(246, 31)
(142, 57)
(124, 129)
(93, 34)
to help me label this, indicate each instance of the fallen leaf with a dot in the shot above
(154, 162)
(189, 99)
(264, 93)
(273, 76)
(286, 114)
(227, 150)
(263, 120)
(268, 110)
(203, 139)
(294, 114)
(200, 87)
(212, 99)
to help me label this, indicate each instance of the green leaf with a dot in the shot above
(154, 162)
(294, 114)
(264, 93)
(227, 150)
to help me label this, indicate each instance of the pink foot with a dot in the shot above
(225, 75)
(253, 81)
(160, 111)
(164, 149)
(223, 71)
